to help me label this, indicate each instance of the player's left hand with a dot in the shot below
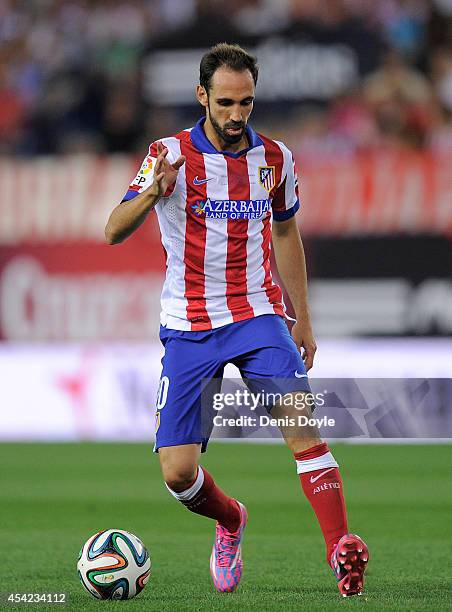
(304, 339)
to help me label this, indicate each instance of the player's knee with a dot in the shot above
(179, 478)
(304, 410)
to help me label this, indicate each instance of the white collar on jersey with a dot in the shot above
(203, 144)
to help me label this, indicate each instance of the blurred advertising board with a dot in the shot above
(109, 391)
(68, 199)
(59, 281)
(301, 64)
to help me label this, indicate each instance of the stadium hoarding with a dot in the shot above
(289, 71)
(46, 295)
(378, 234)
(109, 391)
(50, 295)
(379, 194)
(74, 392)
(303, 61)
(72, 197)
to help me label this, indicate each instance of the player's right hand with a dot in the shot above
(165, 174)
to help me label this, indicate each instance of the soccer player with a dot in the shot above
(216, 188)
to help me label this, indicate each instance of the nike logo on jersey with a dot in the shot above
(315, 478)
(300, 375)
(198, 181)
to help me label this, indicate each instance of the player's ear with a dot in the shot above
(201, 95)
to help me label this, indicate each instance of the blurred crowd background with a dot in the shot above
(77, 75)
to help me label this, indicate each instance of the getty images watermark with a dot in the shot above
(341, 408)
(243, 400)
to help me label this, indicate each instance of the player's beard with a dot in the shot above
(223, 134)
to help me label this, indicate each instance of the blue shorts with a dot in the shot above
(262, 348)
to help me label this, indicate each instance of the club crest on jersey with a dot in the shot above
(267, 177)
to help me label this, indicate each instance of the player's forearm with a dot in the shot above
(128, 216)
(291, 264)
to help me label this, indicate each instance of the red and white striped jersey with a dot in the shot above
(215, 223)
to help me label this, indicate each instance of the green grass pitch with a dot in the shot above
(54, 496)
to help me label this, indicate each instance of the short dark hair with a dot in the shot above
(231, 56)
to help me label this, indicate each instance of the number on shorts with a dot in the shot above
(162, 393)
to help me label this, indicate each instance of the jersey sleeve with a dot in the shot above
(145, 176)
(286, 201)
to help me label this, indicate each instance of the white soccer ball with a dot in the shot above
(114, 564)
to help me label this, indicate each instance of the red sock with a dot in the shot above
(204, 497)
(322, 485)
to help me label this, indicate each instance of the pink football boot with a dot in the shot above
(226, 559)
(348, 562)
